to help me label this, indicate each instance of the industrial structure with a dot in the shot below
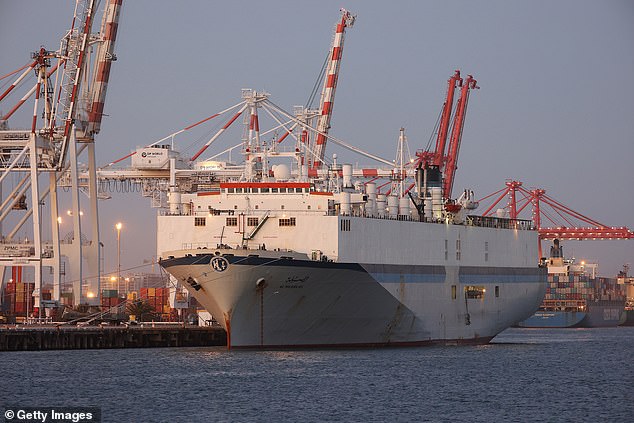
(565, 223)
(68, 101)
(71, 90)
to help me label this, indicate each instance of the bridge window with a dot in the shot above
(345, 225)
(232, 221)
(200, 221)
(252, 221)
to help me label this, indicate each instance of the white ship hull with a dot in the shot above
(271, 299)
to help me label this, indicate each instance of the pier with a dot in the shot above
(34, 338)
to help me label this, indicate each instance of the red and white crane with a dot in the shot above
(330, 86)
(67, 114)
(101, 74)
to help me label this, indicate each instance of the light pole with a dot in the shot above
(118, 227)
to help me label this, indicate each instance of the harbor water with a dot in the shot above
(523, 375)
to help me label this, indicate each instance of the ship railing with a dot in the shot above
(199, 245)
(214, 246)
(500, 222)
(470, 220)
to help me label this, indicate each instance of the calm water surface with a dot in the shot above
(524, 375)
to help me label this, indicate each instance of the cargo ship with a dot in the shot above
(304, 271)
(627, 319)
(310, 253)
(576, 297)
(627, 282)
(283, 259)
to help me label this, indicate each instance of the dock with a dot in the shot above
(39, 338)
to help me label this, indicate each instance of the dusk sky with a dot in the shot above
(554, 111)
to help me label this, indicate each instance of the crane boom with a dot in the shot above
(456, 135)
(75, 49)
(103, 60)
(330, 85)
(443, 130)
(572, 227)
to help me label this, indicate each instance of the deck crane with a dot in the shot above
(456, 135)
(439, 154)
(73, 108)
(444, 158)
(330, 86)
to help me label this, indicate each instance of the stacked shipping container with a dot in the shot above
(18, 298)
(158, 298)
(581, 288)
(110, 298)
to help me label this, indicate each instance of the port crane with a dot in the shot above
(76, 108)
(330, 87)
(567, 224)
(67, 115)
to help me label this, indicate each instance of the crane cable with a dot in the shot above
(320, 77)
(434, 132)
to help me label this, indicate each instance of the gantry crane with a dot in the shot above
(72, 108)
(519, 198)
